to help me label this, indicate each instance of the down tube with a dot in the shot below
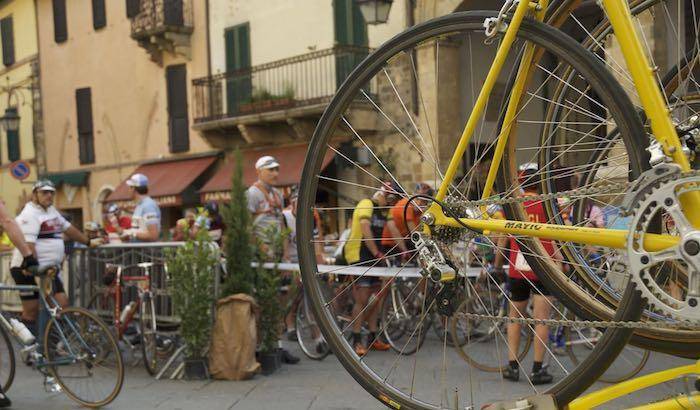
(611, 238)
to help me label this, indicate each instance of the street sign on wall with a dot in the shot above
(20, 170)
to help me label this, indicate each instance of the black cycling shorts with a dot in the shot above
(520, 289)
(22, 279)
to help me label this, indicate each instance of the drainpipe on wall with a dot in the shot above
(209, 91)
(38, 137)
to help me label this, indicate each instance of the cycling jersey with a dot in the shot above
(147, 213)
(44, 228)
(355, 248)
(396, 214)
(518, 266)
(265, 205)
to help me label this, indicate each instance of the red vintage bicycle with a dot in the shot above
(107, 302)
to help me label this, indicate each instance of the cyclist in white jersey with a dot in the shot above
(43, 228)
(28, 260)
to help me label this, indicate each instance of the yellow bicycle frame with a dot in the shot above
(630, 386)
(651, 99)
(663, 130)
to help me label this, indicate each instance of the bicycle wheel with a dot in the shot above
(590, 287)
(631, 361)
(102, 304)
(484, 347)
(89, 365)
(379, 130)
(152, 357)
(309, 335)
(7, 360)
(403, 327)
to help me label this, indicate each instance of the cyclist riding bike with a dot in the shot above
(368, 222)
(43, 228)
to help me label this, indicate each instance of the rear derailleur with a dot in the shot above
(445, 290)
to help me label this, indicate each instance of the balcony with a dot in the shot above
(289, 92)
(164, 26)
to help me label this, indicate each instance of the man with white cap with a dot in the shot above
(145, 221)
(265, 205)
(265, 202)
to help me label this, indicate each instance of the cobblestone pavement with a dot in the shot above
(308, 385)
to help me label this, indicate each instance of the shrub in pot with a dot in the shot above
(191, 268)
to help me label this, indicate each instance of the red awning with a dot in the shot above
(291, 159)
(166, 180)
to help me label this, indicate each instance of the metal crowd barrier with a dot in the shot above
(86, 268)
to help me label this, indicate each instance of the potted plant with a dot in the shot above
(191, 269)
(238, 238)
(266, 294)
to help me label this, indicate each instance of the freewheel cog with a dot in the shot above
(668, 279)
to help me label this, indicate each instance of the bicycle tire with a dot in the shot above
(545, 37)
(108, 348)
(11, 362)
(463, 349)
(606, 378)
(302, 322)
(102, 304)
(148, 329)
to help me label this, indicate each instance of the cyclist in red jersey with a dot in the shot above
(523, 283)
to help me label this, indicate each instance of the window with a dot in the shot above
(86, 143)
(60, 25)
(178, 122)
(13, 153)
(133, 7)
(8, 41)
(99, 14)
(239, 88)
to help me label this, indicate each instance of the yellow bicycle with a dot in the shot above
(614, 155)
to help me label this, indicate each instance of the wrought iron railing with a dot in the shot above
(303, 80)
(161, 16)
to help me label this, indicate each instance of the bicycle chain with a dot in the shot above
(466, 205)
(546, 197)
(686, 325)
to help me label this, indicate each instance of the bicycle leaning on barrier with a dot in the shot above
(608, 126)
(75, 347)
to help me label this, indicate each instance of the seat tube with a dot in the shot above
(480, 105)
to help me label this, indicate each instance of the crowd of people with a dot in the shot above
(376, 235)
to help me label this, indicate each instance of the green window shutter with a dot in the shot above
(359, 27)
(340, 18)
(13, 153)
(239, 86)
